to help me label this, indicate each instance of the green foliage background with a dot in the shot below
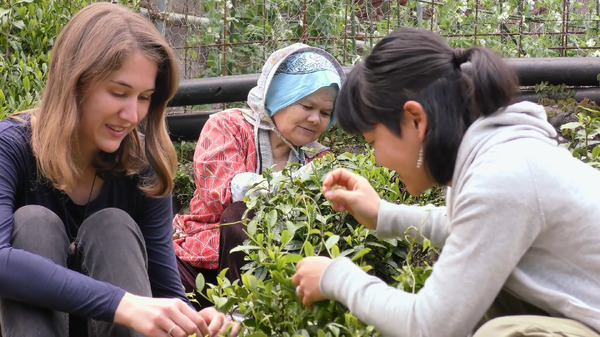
(28, 29)
(236, 36)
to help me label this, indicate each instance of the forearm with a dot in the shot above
(397, 220)
(162, 265)
(367, 297)
(435, 311)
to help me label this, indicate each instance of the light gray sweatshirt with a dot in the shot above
(522, 214)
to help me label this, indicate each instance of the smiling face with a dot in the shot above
(112, 108)
(305, 120)
(401, 153)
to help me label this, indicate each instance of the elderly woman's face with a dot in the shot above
(305, 120)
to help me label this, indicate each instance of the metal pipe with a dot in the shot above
(188, 126)
(573, 71)
(210, 90)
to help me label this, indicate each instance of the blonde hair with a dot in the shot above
(92, 45)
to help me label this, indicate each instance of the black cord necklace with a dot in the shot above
(87, 204)
(85, 211)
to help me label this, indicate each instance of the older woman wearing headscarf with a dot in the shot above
(291, 106)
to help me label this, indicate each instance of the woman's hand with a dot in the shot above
(217, 321)
(307, 279)
(164, 317)
(350, 192)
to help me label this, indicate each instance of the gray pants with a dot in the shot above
(109, 247)
(534, 326)
(509, 316)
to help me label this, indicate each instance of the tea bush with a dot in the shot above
(295, 221)
(584, 134)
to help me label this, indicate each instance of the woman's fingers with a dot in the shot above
(183, 325)
(156, 317)
(183, 321)
(235, 329)
(218, 322)
(347, 191)
(340, 199)
(307, 279)
(339, 177)
(215, 323)
(338, 188)
(230, 328)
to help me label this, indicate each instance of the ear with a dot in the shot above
(414, 115)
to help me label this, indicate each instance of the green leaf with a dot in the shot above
(291, 228)
(360, 254)
(200, 282)
(26, 84)
(571, 126)
(249, 281)
(19, 24)
(331, 241)
(256, 334)
(252, 227)
(219, 301)
(292, 258)
(271, 218)
(285, 208)
(271, 254)
(426, 244)
(244, 248)
(308, 249)
(596, 152)
(279, 278)
(285, 237)
(335, 252)
(593, 111)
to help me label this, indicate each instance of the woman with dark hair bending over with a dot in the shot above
(520, 228)
(85, 199)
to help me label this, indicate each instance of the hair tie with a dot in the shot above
(459, 56)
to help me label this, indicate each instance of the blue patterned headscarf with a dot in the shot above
(298, 76)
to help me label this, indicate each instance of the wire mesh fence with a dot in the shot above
(217, 38)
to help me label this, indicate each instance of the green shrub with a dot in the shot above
(584, 134)
(183, 184)
(28, 30)
(297, 221)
